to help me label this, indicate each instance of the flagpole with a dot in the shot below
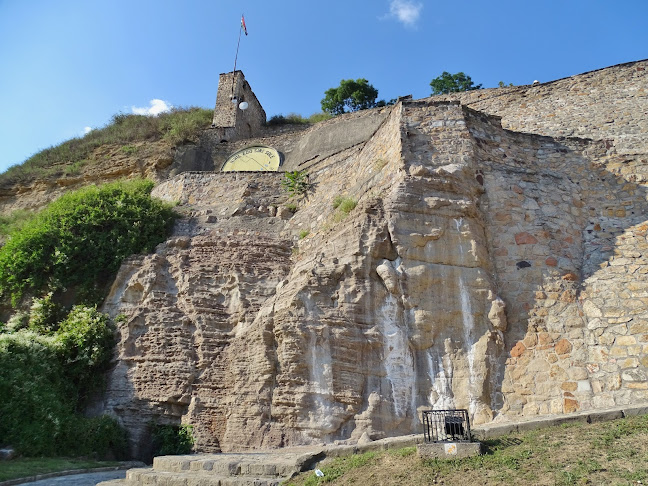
(236, 57)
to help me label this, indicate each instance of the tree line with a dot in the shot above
(353, 95)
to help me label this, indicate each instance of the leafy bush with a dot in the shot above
(44, 315)
(85, 341)
(43, 380)
(295, 182)
(35, 403)
(81, 239)
(172, 439)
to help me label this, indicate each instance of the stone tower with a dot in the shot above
(230, 120)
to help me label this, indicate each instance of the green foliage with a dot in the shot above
(502, 84)
(296, 119)
(452, 83)
(35, 406)
(291, 118)
(344, 204)
(14, 221)
(175, 127)
(109, 223)
(45, 379)
(44, 315)
(354, 95)
(318, 117)
(172, 439)
(303, 234)
(85, 341)
(295, 182)
(292, 207)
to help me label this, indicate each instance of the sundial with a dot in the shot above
(258, 158)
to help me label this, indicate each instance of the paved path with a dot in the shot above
(86, 479)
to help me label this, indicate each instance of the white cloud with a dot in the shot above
(87, 130)
(157, 107)
(405, 11)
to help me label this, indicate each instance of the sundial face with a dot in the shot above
(258, 158)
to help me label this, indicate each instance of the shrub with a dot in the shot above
(110, 222)
(44, 315)
(35, 406)
(101, 437)
(172, 439)
(43, 380)
(85, 342)
(303, 234)
(295, 182)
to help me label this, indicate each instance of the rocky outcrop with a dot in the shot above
(490, 264)
(482, 268)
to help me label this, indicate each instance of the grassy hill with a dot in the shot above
(174, 127)
(604, 453)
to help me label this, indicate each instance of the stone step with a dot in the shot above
(233, 464)
(151, 477)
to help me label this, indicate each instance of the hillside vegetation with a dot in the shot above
(175, 127)
(56, 346)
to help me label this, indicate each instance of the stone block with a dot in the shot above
(448, 450)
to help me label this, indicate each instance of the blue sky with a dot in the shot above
(69, 64)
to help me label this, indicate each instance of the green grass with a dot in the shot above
(613, 452)
(69, 157)
(343, 206)
(26, 467)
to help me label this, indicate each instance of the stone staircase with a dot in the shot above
(225, 469)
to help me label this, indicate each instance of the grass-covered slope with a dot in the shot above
(175, 127)
(610, 453)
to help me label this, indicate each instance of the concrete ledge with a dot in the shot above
(448, 450)
(490, 431)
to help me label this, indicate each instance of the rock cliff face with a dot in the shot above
(483, 268)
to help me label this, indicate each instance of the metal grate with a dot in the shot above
(446, 426)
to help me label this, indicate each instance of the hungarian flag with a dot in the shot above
(243, 24)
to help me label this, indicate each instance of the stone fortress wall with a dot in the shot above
(491, 264)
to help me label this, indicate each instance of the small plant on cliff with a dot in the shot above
(172, 439)
(343, 206)
(80, 240)
(295, 183)
(452, 83)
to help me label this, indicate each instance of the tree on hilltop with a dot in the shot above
(452, 83)
(353, 95)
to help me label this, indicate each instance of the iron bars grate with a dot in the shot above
(446, 426)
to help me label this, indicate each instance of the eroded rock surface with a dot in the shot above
(483, 268)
